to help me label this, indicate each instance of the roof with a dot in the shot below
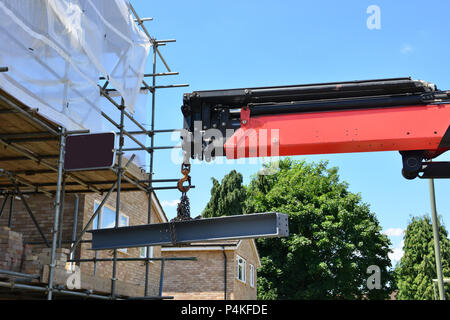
(216, 245)
(29, 156)
(210, 245)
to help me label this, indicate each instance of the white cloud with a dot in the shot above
(170, 203)
(394, 232)
(397, 253)
(406, 49)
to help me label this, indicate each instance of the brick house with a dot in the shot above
(22, 248)
(223, 270)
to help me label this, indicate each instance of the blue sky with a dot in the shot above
(248, 43)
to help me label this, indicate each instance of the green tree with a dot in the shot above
(333, 238)
(227, 197)
(417, 267)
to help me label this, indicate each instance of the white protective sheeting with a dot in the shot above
(56, 50)
(141, 114)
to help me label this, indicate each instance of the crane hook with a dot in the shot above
(185, 169)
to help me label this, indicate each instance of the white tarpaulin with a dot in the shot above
(56, 50)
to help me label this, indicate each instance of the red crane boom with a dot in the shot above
(400, 114)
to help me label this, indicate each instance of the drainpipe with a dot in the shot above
(224, 273)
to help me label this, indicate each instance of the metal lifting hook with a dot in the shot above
(183, 209)
(185, 169)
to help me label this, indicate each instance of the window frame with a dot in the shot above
(252, 275)
(244, 268)
(145, 253)
(100, 219)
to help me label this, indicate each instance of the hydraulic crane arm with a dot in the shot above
(400, 114)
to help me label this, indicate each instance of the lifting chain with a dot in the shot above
(183, 209)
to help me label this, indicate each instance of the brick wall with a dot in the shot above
(244, 290)
(201, 279)
(204, 278)
(43, 209)
(11, 249)
(133, 204)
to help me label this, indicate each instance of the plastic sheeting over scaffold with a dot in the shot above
(56, 50)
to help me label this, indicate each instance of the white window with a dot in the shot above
(252, 275)
(240, 268)
(107, 219)
(143, 252)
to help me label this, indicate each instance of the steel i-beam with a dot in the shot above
(256, 225)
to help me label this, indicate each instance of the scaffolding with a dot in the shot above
(33, 163)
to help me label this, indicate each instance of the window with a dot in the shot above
(252, 275)
(143, 252)
(240, 268)
(107, 219)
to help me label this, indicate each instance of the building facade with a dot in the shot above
(22, 248)
(223, 270)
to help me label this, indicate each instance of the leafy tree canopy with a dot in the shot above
(417, 268)
(227, 197)
(333, 238)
